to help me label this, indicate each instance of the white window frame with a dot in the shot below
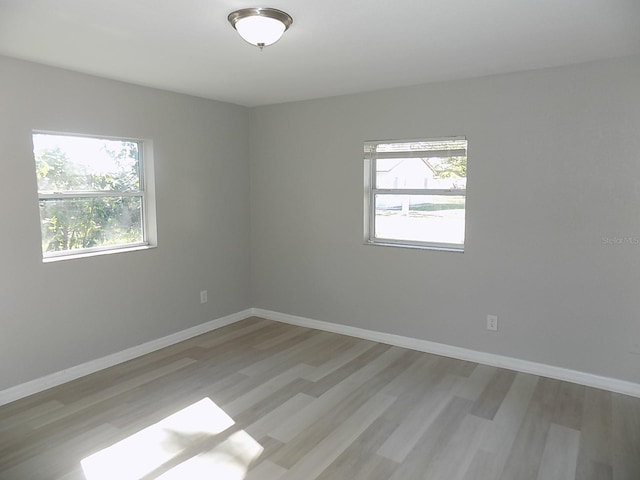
(146, 193)
(370, 192)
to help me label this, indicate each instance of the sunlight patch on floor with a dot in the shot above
(228, 461)
(150, 448)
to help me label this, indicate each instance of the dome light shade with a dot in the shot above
(260, 26)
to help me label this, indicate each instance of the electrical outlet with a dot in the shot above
(492, 323)
(203, 296)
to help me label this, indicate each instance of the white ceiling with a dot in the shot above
(334, 47)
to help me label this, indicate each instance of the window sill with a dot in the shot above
(440, 248)
(96, 253)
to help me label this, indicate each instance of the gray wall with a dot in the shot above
(554, 171)
(57, 315)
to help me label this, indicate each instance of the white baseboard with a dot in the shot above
(63, 376)
(525, 366)
(574, 376)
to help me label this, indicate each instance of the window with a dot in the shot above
(92, 194)
(415, 193)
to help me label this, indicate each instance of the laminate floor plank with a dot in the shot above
(339, 361)
(75, 474)
(115, 390)
(286, 335)
(58, 458)
(325, 403)
(626, 437)
(423, 372)
(84, 414)
(594, 471)
(526, 454)
(434, 441)
(270, 445)
(461, 367)
(595, 455)
(321, 354)
(235, 332)
(560, 454)
(266, 471)
(264, 389)
(416, 422)
(484, 465)
(271, 402)
(512, 411)
(570, 406)
(297, 403)
(491, 398)
(290, 351)
(168, 395)
(267, 423)
(254, 337)
(327, 451)
(460, 452)
(359, 460)
(476, 382)
(500, 435)
(308, 439)
(352, 370)
(29, 413)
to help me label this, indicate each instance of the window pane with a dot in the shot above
(422, 218)
(66, 163)
(435, 172)
(79, 223)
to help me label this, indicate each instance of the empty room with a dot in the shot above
(320, 240)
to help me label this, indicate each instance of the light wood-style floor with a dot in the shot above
(265, 401)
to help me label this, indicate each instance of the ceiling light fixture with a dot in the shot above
(260, 26)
